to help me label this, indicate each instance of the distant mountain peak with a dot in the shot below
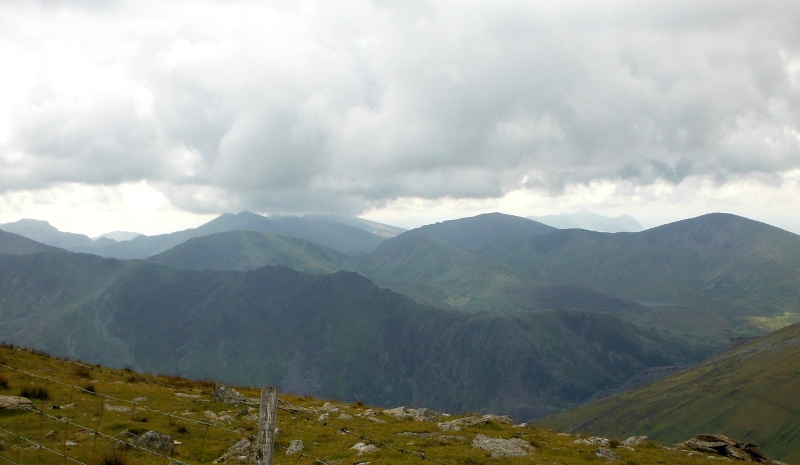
(480, 229)
(585, 219)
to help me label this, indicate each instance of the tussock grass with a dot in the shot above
(35, 392)
(114, 457)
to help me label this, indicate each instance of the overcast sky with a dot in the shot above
(154, 116)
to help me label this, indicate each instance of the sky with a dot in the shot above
(155, 116)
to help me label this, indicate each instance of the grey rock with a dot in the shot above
(727, 447)
(226, 395)
(241, 452)
(14, 402)
(592, 441)
(607, 454)
(295, 447)
(363, 448)
(418, 414)
(634, 441)
(514, 447)
(156, 441)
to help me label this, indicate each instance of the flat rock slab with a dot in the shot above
(499, 447)
(14, 402)
(363, 448)
(727, 447)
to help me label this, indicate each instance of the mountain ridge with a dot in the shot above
(335, 335)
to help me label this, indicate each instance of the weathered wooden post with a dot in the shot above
(266, 425)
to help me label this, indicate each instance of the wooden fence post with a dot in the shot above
(266, 425)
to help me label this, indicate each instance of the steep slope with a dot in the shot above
(471, 232)
(751, 393)
(11, 243)
(436, 272)
(248, 250)
(336, 335)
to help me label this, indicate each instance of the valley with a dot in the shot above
(490, 314)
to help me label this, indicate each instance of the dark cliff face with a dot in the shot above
(337, 335)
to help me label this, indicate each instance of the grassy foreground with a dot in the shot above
(78, 400)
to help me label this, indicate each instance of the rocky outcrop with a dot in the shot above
(14, 402)
(455, 425)
(241, 452)
(156, 441)
(498, 447)
(226, 395)
(634, 441)
(295, 447)
(416, 414)
(727, 447)
(592, 441)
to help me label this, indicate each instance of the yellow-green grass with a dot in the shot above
(170, 410)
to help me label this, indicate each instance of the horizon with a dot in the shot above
(155, 118)
(531, 217)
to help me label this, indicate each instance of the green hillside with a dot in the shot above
(336, 335)
(95, 415)
(470, 232)
(710, 278)
(248, 250)
(721, 268)
(751, 393)
(438, 273)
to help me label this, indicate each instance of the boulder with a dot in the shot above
(327, 408)
(634, 441)
(499, 447)
(14, 402)
(156, 441)
(363, 448)
(295, 447)
(607, 454)
(503, 419)
(226, 395)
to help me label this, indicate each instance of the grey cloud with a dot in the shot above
(288, 109)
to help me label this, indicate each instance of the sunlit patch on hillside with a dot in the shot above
(774, 323)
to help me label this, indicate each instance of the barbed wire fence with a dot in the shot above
(283, 406)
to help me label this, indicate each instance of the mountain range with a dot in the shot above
(348, 236)
(493, 311)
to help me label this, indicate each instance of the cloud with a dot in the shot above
(293, 107)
